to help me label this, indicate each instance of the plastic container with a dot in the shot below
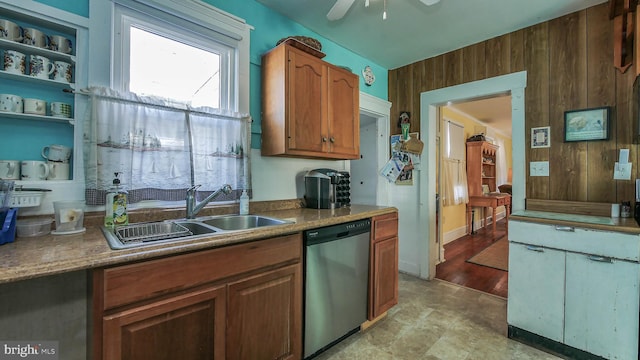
(33, 227)
(8, 225)
(69, 217)
(244, 203)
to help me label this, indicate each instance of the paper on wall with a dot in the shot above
(392, 169)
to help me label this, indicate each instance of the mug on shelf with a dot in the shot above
(10, 30)
(40, 66)
(62, 71)
(32, 170)
(14, 62)
(11, 103)
(35, 37)
(60, 44)
(58, 153)
(9, 170)
(58, 170)
(60, 109)
(35, 106)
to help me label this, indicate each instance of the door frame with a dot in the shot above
(514, 84)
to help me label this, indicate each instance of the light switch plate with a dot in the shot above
(539, 168)
(622, 171)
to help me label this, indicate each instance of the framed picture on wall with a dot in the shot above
(587, 124)
(541, 137)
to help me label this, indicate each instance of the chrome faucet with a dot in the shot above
(193, 208)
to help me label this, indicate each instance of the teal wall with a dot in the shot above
(269, 27)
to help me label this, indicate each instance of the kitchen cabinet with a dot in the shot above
(383, 271)
(481, 167)
(536, 290)
(240, 301)
(310, 108)
(576, 286)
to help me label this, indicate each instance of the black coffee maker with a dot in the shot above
(327, 189)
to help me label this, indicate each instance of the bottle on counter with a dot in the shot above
(244, 203)
(116, 205)
(625, 209)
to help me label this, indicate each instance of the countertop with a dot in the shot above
(623, 225)
(27, 258)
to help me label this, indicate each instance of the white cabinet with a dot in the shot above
(567, 285)
(601, 306)
(536, 290)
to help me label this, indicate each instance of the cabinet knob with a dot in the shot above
(324, 139)
(332, 139)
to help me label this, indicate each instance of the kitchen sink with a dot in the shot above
(242, 222)
(140, 234)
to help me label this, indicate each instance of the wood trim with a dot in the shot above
(570, 207)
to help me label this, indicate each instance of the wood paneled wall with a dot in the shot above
(569, 64)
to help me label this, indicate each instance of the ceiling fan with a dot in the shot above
(341, 7)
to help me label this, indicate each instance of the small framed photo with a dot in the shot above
(541, 137)
(587, 124)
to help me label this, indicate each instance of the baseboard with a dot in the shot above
(454, 234)
(548, 345)
(409, 268)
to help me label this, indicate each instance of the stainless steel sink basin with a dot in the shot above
(242, 222)
(135, 235)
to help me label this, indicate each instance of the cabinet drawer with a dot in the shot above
(130, 283)
(385, 226)
(604, 243)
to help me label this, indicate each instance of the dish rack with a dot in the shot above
(150, 231)
(25, 198)
(8, 216)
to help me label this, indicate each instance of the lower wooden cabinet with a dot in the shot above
(188, 326)
(383, 269)
(236, 302)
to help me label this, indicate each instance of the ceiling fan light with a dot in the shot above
(366, 3)
(430, 2)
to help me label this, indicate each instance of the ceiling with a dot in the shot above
(414, 31)
(494, 112)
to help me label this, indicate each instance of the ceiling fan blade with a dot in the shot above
(430, 2)
(339, 9)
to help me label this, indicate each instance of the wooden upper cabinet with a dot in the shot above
(310, 108)
(481, 166)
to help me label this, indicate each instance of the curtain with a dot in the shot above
(454, 189)
(501, 163)
(161, 148)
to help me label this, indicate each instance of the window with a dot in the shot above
(159, 57)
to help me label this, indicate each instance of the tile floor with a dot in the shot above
(437, 320)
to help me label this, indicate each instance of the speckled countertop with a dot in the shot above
(27, 258)
(624, 225)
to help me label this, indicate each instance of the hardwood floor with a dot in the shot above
(457, 270)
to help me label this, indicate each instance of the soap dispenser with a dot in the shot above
(116, 205)
(244, 203)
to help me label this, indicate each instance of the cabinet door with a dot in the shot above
(307, 86)
(187, 326)
(536, 290)
(343, 114)
(265, 316)
(601, 311)
(385, 276)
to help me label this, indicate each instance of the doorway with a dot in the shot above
(429, 103)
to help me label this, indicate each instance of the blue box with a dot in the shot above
(8, 221)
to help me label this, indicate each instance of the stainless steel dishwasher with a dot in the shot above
(336, 282)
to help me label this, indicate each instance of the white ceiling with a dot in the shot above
(414, 31)
(494, 112)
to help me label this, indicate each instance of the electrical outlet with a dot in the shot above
(539, 168)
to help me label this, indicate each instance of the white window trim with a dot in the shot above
(101, 15)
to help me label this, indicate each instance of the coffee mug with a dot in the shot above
(35, 37)
(58, 171)
(60, 44)
(11, 103)
(40, 66)
(62, 71)
(14, 62)
(58, 153)
(31, 170)
(10, 31)
(35, 106)
(59, 109)
(9, 170)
